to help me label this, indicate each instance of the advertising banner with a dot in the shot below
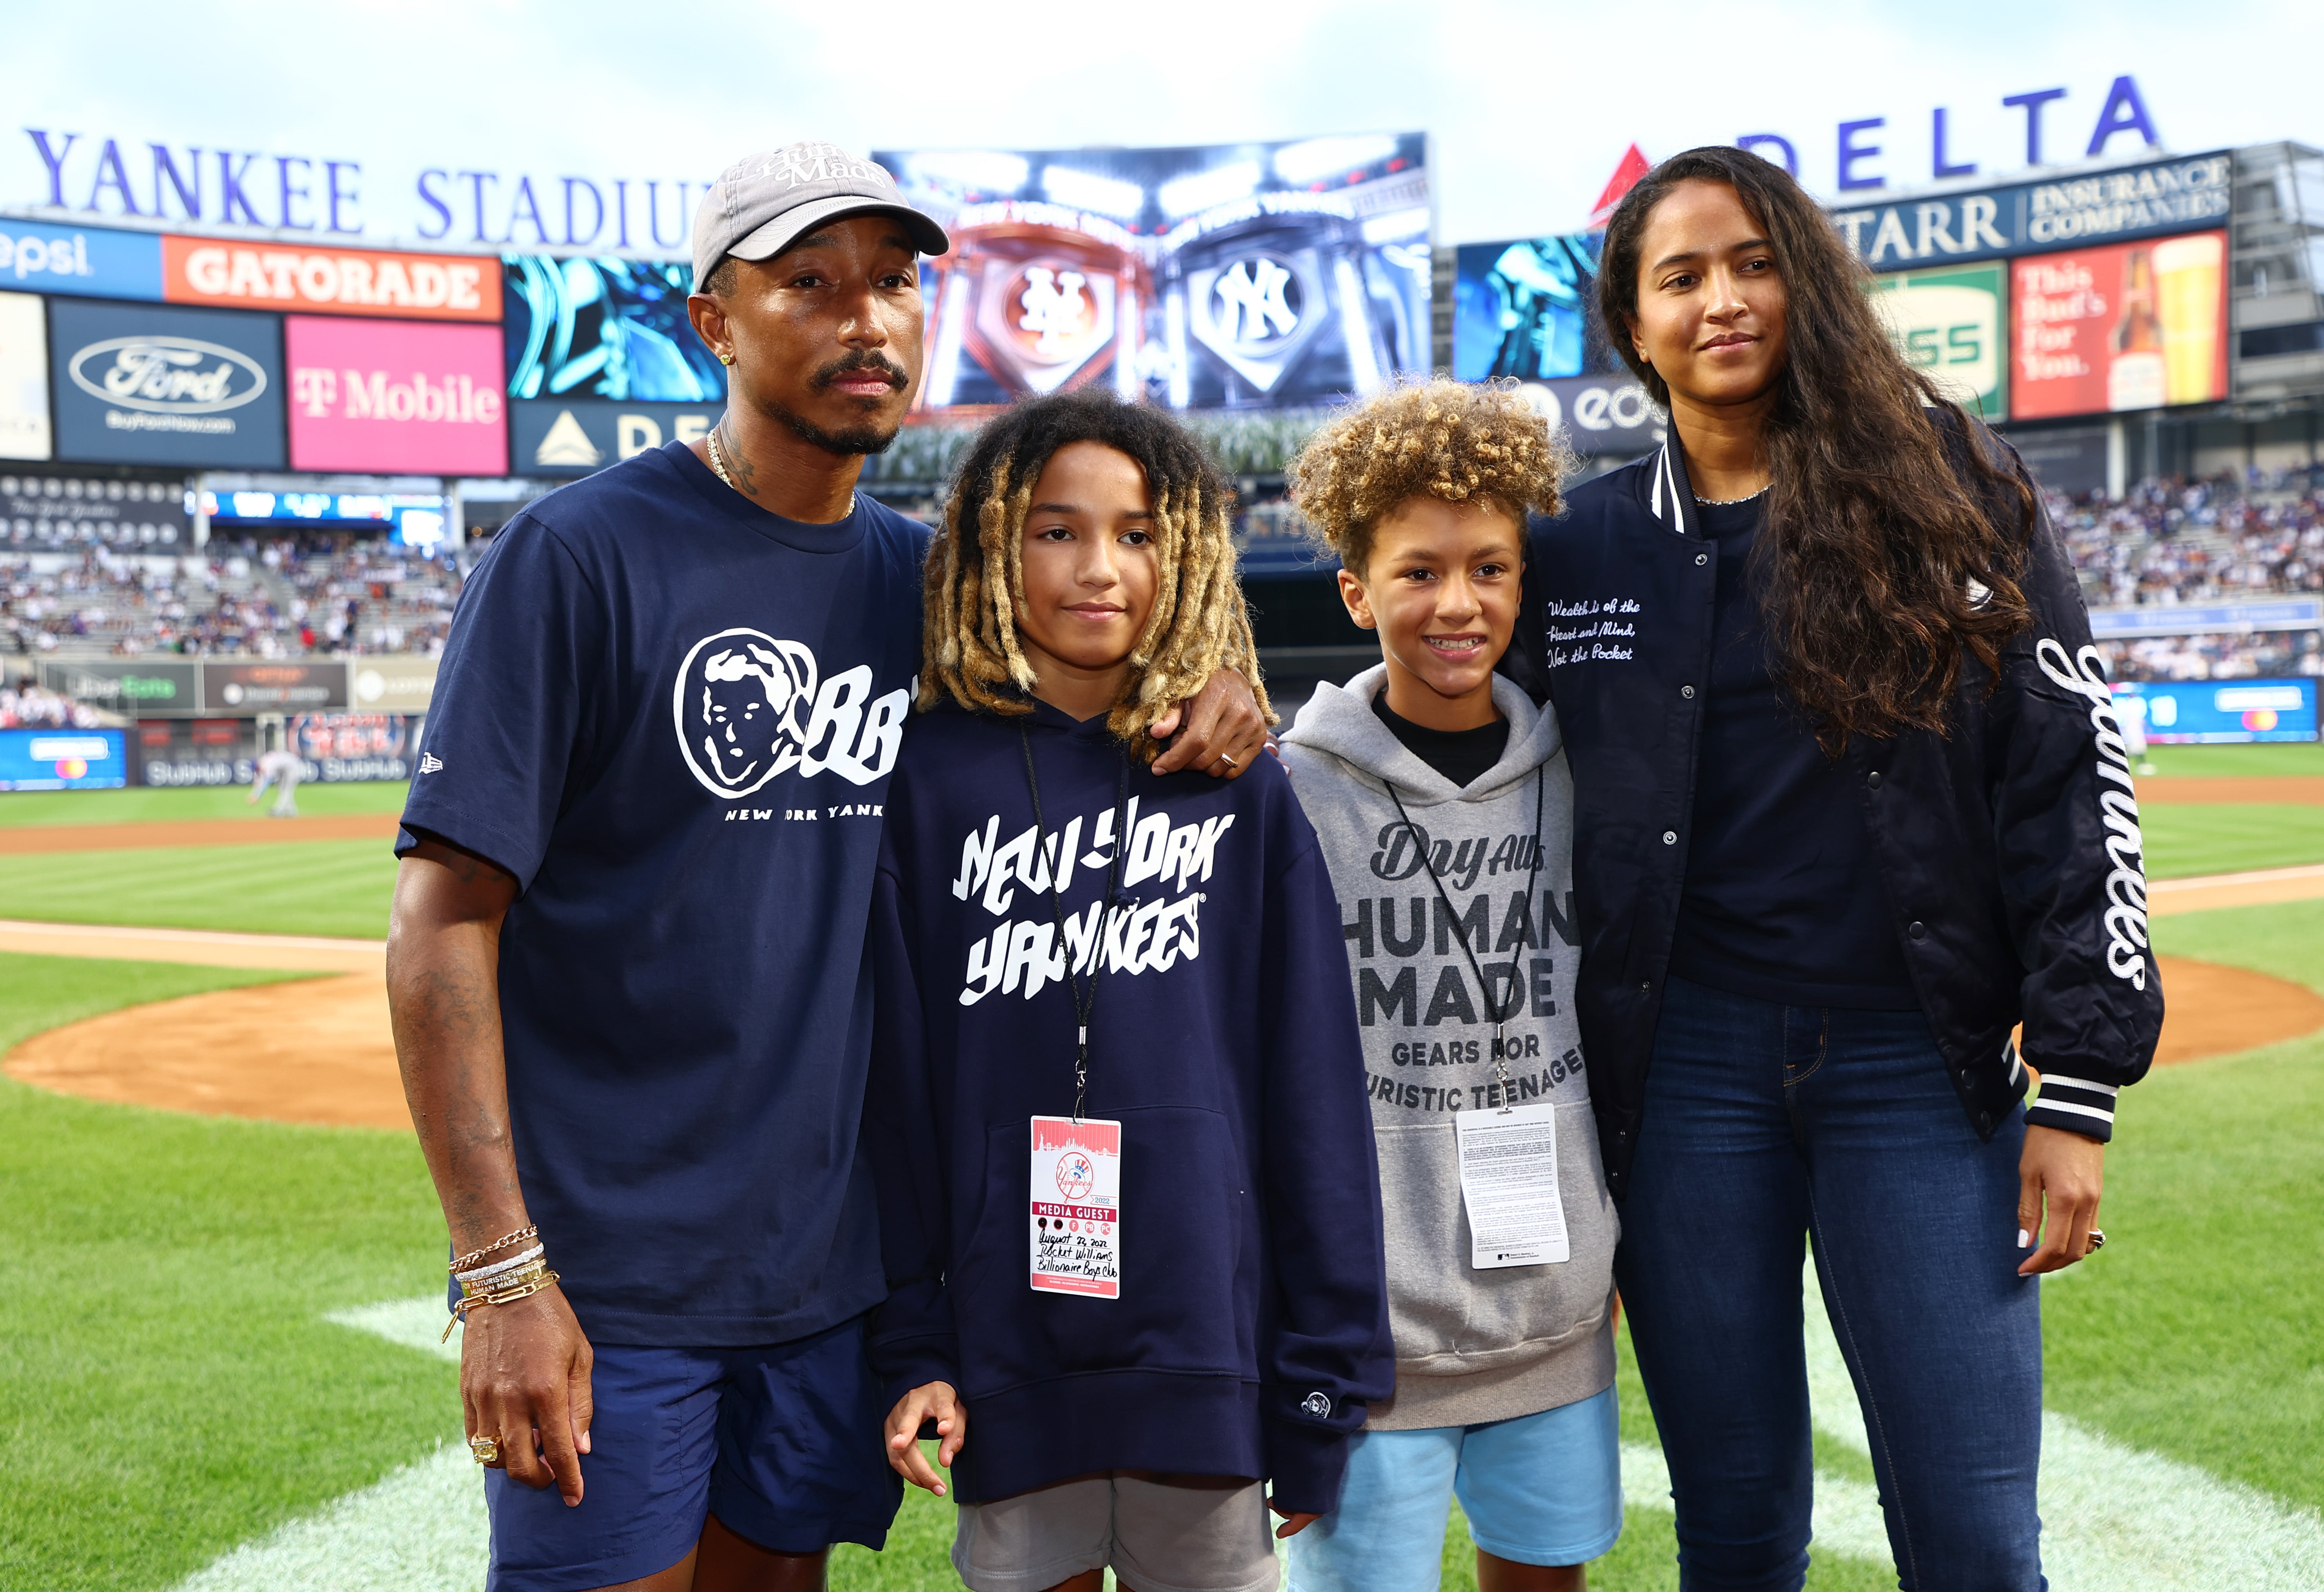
(2128, 327)
(273, 687)
(63, 759)
(148, 384)
(45, 508)
(1949, 324)
(83, 262)
(1527, 309)
(344, 281)
(23, 377)
(1600, 414)
(346, 747)
(2149, 201)
(138, 688)
(391, 396)
(605, 328)
(395, 685)
(548, 436)
(1217, 276)
(178, 752)
(2210, 711)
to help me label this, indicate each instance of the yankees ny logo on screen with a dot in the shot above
(749, 707)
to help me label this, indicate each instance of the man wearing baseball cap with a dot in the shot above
(626, 958)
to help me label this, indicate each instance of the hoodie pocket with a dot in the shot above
(1451, 1319)
(1186, 1303)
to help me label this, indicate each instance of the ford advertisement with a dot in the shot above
(153, 385)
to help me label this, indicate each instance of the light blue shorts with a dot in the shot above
(1540, 1489)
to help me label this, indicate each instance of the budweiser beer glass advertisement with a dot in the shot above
(395, 397)
(343, 282)
(2128, 327)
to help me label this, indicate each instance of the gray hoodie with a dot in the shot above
(1471, 1346)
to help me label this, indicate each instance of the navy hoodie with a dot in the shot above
(1251, 1327)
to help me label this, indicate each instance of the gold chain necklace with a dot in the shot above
(718, 463)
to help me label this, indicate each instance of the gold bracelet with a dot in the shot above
(509, 1296)
(500, 1285)
(474, 1255)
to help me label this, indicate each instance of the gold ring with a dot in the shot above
(487, 1449)
(1229, 761)
(2098, 1242)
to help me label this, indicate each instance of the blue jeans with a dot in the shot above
(1765, 1125)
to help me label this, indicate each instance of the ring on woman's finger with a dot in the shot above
(2098, 1242)
(1229, 761)
(487, 1449)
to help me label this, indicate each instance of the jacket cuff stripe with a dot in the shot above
(2046, 1104)
(2060, 1080)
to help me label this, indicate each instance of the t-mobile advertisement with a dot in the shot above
(2128, 326)
(395, 396)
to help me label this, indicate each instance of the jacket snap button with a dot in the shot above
(1985, 1122)
(1688, 692)
(1918, 931)
(1646, 987)
(1670, 837)
(1700, 560)
(1873, 780)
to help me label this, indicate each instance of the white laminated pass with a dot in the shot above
(1076, 1217)
(1508, 1184)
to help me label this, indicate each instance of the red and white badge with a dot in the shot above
(1076, 1216)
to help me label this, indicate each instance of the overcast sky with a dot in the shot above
(1530, 104)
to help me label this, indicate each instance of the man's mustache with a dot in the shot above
(860, 360)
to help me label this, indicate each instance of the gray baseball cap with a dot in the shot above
(763, 204)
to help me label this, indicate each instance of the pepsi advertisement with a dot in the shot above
(63, 759)
(617, 329)
(2211, 710)
(1217, 276)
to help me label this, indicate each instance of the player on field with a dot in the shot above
(282, 768)
(626, 960)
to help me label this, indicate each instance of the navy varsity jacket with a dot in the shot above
(2009, 845)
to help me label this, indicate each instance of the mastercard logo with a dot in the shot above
(2260, 718)
(74, 768)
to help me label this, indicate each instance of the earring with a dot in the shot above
(725, 359)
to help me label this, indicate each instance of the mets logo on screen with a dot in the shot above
(749, 707)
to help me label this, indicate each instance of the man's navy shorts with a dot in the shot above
(782, 1443)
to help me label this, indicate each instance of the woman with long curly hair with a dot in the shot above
(1851, 807)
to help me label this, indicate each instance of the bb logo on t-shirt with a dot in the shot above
(749, 707)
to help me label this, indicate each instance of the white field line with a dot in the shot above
(2212, 881)
(89, 931)
(2114, 1519)
(2112, 1516)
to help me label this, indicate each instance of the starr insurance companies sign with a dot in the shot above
(395, 397)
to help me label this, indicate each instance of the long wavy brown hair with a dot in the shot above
(1886, 555)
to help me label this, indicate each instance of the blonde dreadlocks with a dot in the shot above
(976, 580)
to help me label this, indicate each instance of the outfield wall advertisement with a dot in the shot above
(343, 282)
(2217, 711)
(551, 437)
(395, 397)
(1527, 309)
(63, 759)
(1214, 276)
(147, 383)
(2126, 327)
(605, 328)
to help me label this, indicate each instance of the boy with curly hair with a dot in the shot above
(1126, 1197)
(1444, 802)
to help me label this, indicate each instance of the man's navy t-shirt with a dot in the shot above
(671, 715)
(1782, 899)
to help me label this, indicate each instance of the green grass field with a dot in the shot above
(178, 806)
(336, 887)
(2239, 762)
(168, 1388)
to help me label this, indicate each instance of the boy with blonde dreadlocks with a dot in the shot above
(1128, 1202)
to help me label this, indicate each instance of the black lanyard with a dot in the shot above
(1460, 933)
(1084, 1003)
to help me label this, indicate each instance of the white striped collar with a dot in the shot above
(1671, 496)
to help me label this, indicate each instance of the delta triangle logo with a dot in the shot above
(567, 444)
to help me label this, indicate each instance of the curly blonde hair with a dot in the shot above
(975, 582)
(1438, 438)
